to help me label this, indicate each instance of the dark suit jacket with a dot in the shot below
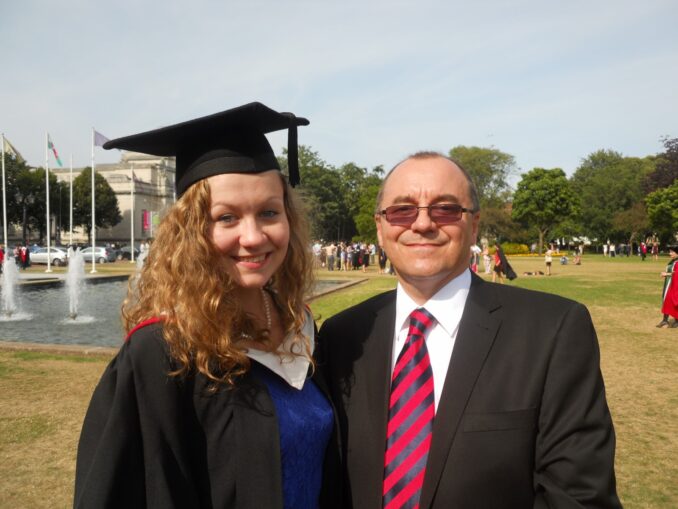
(522, 421)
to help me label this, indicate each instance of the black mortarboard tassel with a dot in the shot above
(232, 141)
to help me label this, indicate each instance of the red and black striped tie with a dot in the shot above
(410, 417)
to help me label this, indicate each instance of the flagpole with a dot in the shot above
(4, 195)
(70, 233)
(49, 249)
(94, 229)
(132, 216)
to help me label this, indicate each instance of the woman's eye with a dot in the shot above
(226, 218)
(269, 214)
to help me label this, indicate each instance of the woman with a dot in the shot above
(670, 291)
(502, 266)
(382, 260)
(208, 403)
(548, 260)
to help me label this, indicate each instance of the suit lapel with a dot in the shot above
(375, 371)
(477, 331)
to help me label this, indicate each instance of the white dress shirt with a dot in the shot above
(446, 306)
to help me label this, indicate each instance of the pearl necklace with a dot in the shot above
(267, 309)
(267, 313)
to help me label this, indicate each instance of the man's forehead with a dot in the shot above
(433, 176)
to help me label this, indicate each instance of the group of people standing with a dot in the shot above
(448, 391)
(21, 254)
(494, 262)
(347, 255)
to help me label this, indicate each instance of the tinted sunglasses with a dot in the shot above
(440, 213)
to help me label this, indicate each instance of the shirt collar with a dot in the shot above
(291, 368)
(446, 306)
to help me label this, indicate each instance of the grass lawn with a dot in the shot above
(43, 396)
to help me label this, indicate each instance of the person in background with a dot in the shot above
(548, 260)
(502, 266)
(330, 254)
(670, 291)
(382, 260)
(213, 399)
(453, 392)
(487, 259)
(475, 257)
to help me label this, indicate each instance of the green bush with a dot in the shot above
(511, 248)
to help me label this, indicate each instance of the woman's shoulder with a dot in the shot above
(145, 344)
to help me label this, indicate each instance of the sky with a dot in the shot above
(546, 81)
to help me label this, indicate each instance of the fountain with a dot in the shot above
(140, 261)
(74, 279)
(87, 312)
(9, 308)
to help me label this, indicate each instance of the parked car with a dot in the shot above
(125, 253)
(57, 256)
(101, 254)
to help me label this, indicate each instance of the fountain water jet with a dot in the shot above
(74, 278)
(10, 276)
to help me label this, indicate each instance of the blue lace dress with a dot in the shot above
(305, 424)
(304, 416)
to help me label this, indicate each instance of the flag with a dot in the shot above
(134, 177)
(99, 139)
(51, 146)
(9, 149)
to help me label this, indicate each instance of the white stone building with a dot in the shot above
(153, 192)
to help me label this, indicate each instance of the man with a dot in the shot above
(502, 404)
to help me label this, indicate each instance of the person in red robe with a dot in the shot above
(670, 292)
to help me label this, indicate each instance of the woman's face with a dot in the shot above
(249, 225)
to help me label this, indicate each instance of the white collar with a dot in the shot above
(447, 305)
(291, 368)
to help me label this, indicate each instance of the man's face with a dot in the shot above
(427, 255)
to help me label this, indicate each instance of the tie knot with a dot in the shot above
(421, 321)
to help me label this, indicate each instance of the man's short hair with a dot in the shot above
(430, 154)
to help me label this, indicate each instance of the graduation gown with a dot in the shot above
(153, 440)
(670, 291)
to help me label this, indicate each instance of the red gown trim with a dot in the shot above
(150, 321)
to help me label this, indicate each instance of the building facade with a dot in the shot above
(144, 187)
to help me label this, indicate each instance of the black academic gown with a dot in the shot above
(522, 420)
(152, 440)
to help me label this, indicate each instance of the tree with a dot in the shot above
(543, 199)
(321, 190)
(366, 203)
(496, 223)
(19, 185)
(633, 222)
(666, 171)
(662, 210)
(490, 169)
(340, 201)
(607, 183)
(26, 200)
(106, 211)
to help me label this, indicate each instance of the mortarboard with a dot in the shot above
(232, 141)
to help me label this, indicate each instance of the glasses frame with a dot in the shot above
(385, 213)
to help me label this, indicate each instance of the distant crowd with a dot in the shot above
(349, 256)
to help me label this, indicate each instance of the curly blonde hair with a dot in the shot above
(181, 282)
